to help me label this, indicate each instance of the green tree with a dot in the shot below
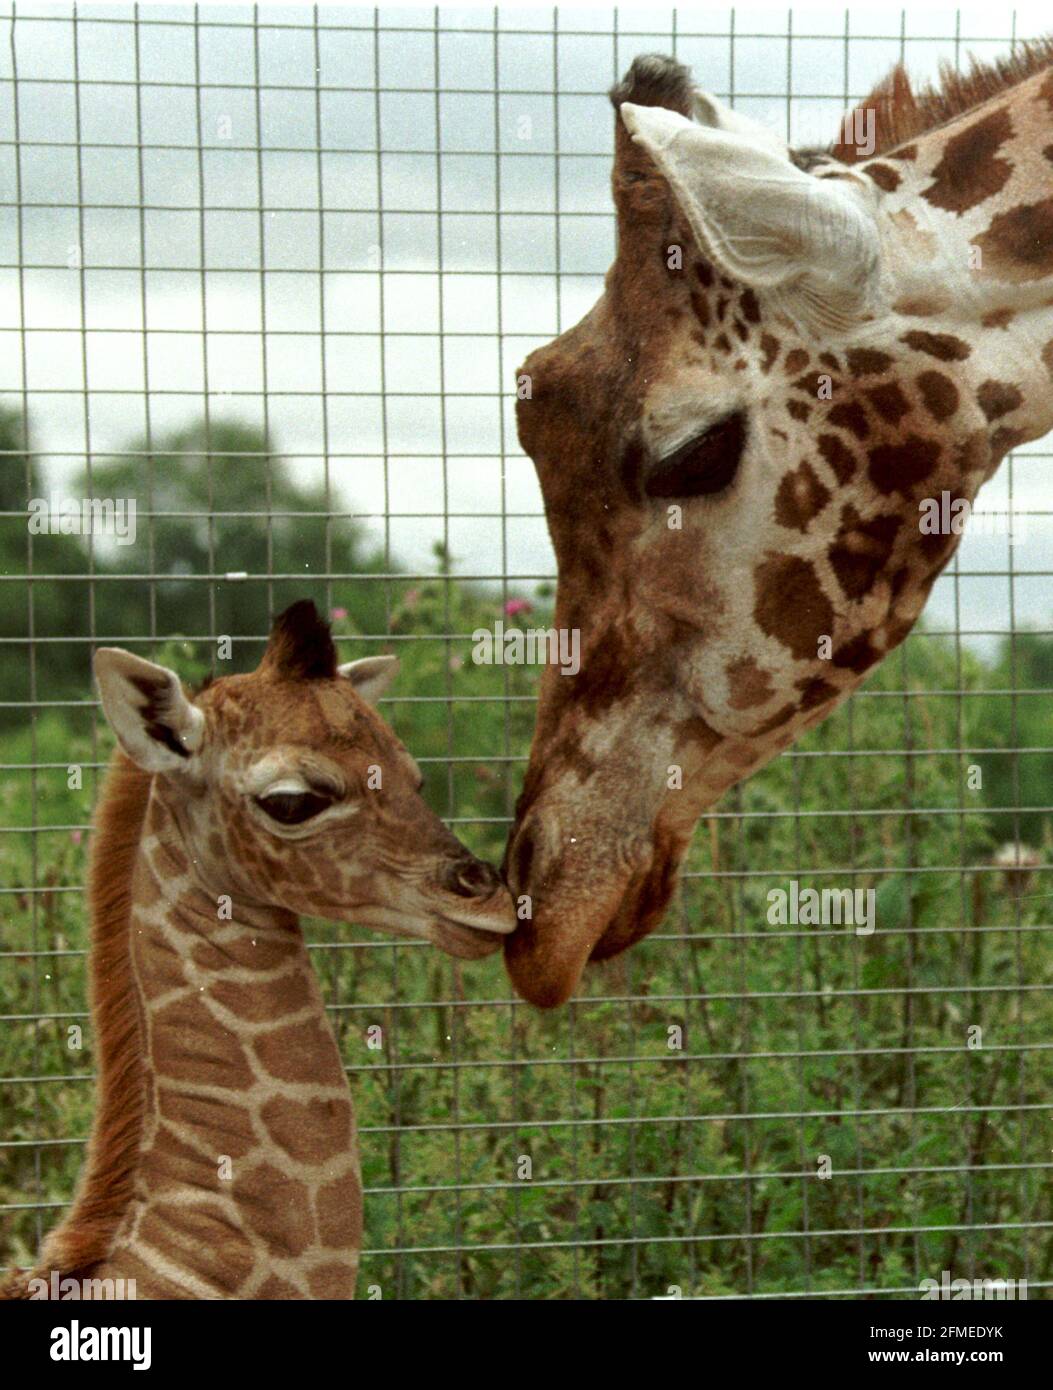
(218, 503)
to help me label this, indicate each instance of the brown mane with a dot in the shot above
(902, 113)
(85, 1235)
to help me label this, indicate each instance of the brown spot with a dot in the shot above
(815, 691)
(973, 454)
(258, 1004)
(276, 1290)
(201, 1240)
(770, 351)
(968, 172)
(801, 496)
(333, 1280)
(898, 467)
(861, 550)
(884, 176)
(189, 1045)
(279, 1205)
(919, 308)
(851, 416)
(998, 398)
(827, 359)
(838, 455)
(704, 271)
(339, 1210)
(798, 410)
(216, 1121)
(776, 721)
(749, 307)
(1005, 439)
(943, 346)
(1047, 357)
(889, 402)
(939, 394)
(300, 1052)
(1018, 245)
(310, 1132)
(700, 304)
(796, 361)
(856, 655)
(809, 383)
(722, 343)
(697, 733)
(748, 683)
(790, 605)
(169, 1159)
(998, 318)
(868, 361)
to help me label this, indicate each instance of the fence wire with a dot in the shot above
(268, 271)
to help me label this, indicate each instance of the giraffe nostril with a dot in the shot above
(470, 878)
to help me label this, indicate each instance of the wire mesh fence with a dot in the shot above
(266, 274)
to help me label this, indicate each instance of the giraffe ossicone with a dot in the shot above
(737, 444)
(223, 1160)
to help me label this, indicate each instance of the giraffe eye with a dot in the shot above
(704, 465)
(293, 808)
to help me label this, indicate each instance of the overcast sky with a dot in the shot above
(272, 174)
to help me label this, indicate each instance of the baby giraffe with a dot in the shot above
(223, 1161)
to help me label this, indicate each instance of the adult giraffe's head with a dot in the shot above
(793, 351)
(292, 792)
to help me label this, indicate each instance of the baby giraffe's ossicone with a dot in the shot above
(223, 1160)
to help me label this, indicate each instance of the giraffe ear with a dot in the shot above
(146, 708)
(371, 676)
(810, 243)
(709, 111)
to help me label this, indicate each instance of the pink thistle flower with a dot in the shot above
(518, 605)
(76, 836)
(338, 614)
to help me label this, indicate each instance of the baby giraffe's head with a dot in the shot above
(288, 790)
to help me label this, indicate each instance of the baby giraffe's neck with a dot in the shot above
(247, 1181)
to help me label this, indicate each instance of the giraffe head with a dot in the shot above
(794, 354)
(291, 791)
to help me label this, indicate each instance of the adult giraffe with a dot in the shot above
(793, 352)
(223, 1161)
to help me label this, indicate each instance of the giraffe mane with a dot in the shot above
(902, 112)
(86, 1233)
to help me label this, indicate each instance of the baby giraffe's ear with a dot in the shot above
(153, 720)
(371, 676)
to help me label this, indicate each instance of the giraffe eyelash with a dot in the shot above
(702, 467)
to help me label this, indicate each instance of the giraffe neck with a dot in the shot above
(247, 1181)
(969, 224)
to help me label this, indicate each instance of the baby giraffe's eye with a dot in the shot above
(293, 808)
